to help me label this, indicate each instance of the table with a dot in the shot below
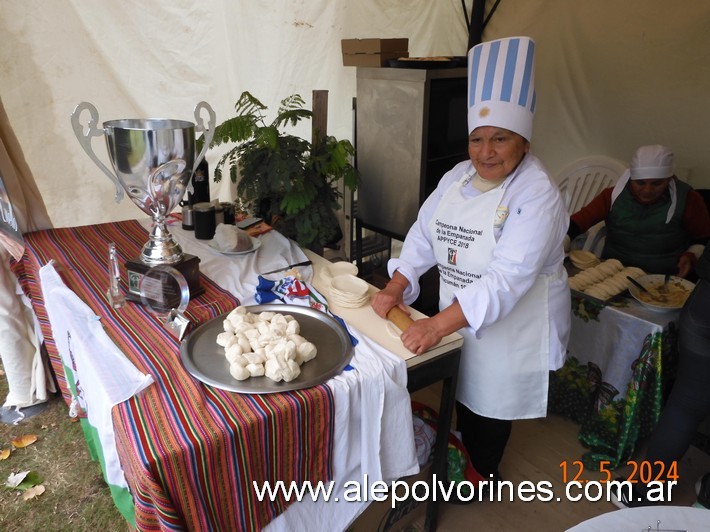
(672, 518)
(440, 363)
(619, 362)
(190, 451)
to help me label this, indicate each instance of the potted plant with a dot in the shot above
(287, 180)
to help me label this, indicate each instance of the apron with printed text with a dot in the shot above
(504, 373)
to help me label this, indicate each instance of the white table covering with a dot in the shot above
(614, 341)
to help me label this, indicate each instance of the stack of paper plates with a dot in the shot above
(348, 291)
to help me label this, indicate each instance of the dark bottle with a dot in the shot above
(200, 184)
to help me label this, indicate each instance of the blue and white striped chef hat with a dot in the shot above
(501, 85)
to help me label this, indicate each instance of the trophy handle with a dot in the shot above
(85, 141)
(200, 126)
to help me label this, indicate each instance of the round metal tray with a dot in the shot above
(205, 360)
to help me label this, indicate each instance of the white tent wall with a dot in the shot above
(610, 75)
(158, 59)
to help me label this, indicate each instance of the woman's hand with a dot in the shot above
(685, 265)
(421, 335)
(427, 332)
(390, 296)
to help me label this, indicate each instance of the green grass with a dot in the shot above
(76, 496)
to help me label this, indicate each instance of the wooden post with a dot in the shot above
(319, 122)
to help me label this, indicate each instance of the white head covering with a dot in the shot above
(649, 162)
(501, 85)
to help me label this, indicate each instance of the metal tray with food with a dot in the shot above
(205, 359)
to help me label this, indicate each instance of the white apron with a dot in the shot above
(504, 373)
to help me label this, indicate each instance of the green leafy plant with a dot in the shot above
(289, 181)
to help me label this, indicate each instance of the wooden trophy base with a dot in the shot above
(189, 267)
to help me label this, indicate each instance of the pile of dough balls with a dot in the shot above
(605, 280)
(265, 344)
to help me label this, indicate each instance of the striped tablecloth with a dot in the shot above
(190, 452)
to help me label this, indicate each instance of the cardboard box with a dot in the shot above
(373, 52)
(382, 517)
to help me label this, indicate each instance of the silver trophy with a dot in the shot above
(153, 161)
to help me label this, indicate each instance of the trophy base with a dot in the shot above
(189, 267)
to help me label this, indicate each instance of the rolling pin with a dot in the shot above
(397, 316)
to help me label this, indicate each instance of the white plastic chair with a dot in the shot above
(579, 183)
(582, 180)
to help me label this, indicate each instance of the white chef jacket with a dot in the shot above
(528, 244)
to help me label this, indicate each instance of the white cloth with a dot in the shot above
(102, 375)
(529, 245)
(374, 436)
(238, 273)
(502, 375)
(25, 368)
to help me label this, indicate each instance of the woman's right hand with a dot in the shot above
(390, 296)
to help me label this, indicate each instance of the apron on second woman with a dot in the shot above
(504, 373)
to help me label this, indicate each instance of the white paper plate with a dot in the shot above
(349, 286)
(337, 268)
(349, 291)
(255, 244)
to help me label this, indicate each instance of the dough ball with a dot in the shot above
(266, 339)
(272, 370)
(296, 339)
(279, 319)
(232, 352)
(291, 371)
(290, 351)
(266, 316)
(242, 327)
(293, 327)
(278, 329)
(239, 372)
(306, 351)
(251, 334)
(244, 343)
(255, 358)
(223, 338)
(255, 370)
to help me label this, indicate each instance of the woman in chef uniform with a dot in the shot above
(494, 227)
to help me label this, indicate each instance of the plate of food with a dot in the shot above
(661, 295)
(255, 244)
